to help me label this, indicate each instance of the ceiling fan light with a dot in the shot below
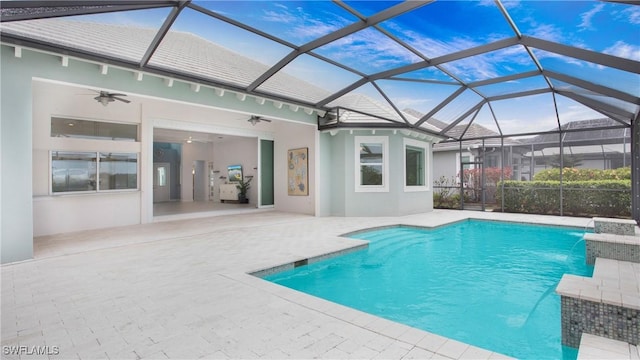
(104, 100)
(254, 120)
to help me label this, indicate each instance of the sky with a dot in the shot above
(434, 30)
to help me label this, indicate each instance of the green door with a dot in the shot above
(266, 172)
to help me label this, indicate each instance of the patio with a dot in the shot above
(180, 289)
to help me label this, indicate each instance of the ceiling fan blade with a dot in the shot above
(120, 99)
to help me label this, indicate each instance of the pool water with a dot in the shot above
(485, 283)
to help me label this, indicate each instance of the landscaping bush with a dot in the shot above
(444, 194)
(573, 174)
(535, 197)
(580, 198)
(585, 192)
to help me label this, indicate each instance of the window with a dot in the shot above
(415, 165)
(79, 171)
(73, 171)
(491, 161)
(118, 171)
(371, 163)
(95, 130)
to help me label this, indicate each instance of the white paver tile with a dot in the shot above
(180, 288)
(453, 349)
(418, 353)
(476, 353)
(397, 350)
(432, 342)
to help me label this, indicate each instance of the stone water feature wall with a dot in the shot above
(598, 318)
(608, 303)
(608, 246)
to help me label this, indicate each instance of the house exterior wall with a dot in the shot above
(27, 208)
(346, 201)
(445, 163)
(16, 219)
(293, 136)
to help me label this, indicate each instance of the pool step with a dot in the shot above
(597, 347)
(607, 304)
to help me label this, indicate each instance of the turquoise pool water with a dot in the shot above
(489, 284)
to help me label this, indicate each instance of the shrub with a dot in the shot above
(573, 174)
(584, 198)
(444, 196)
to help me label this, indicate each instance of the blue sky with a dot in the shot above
(436, 29)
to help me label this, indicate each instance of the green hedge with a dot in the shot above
(573, 174)
(581, 198)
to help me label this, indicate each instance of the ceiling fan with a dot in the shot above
(191, 140)
(106, 97)
(254, 119)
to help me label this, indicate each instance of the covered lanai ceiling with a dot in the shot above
(513, 67)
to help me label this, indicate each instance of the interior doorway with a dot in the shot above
(199, 180)
(161, 182)
(198, 168)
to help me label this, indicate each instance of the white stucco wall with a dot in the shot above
(288, 136)
(345, 201)
(27, 208)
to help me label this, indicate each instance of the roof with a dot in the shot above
(582, 132)
(511, 67)
(478, 134)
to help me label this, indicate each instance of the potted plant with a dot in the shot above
(243, 186)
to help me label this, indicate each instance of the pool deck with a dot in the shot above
(181, 289)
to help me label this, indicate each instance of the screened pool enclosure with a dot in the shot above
(521, 93)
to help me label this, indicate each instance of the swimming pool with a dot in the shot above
(485, 283)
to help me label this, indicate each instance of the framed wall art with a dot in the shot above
(298, 172)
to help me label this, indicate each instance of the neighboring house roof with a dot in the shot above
(473, 131)
(371, 106)
(592, 137)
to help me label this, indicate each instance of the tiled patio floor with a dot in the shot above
(180, 289)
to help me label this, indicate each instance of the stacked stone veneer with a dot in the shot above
(601, 305)
(609, 321)
(609, 246)
(613, 239)
(607, 304)
(614, 226)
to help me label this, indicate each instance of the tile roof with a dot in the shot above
(191, 54)
(598, 136)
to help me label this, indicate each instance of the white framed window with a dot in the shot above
(371, 164)
(93, 129)
(90, 172)
(416, 155)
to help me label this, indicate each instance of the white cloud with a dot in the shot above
(588, 16)
(302, 25)
(624, 50)
(548, 32)
(284, 17)
(632, 14)
(372, 48)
